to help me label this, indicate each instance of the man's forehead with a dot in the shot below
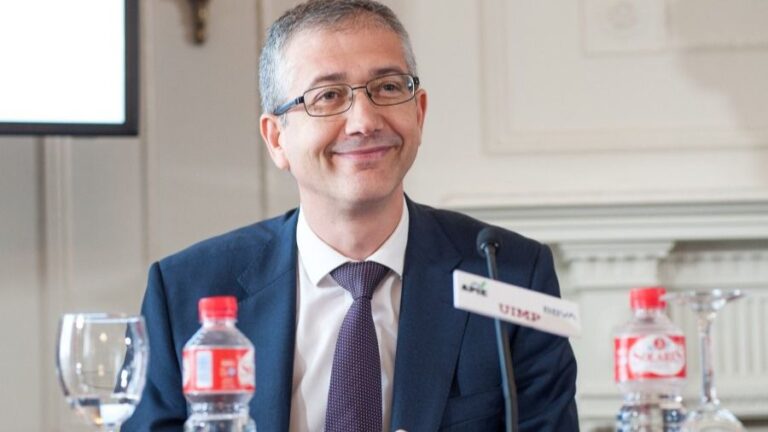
(343, 76)
(309, 59)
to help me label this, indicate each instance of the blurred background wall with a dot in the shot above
(630, 135)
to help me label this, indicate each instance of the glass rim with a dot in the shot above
(102, 317)
(716, 293)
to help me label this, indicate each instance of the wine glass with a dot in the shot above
(709, 415)
(101, 361)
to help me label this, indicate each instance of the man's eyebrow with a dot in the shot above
(388, 70)
(332, 77)
(340, 77)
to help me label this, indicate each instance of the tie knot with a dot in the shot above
(360, 278)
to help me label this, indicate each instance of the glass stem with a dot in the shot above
(708, 391)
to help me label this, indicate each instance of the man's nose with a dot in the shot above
(363, 117)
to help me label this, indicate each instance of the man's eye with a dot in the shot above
(329, 95)
(391, 86)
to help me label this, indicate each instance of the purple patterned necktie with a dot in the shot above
(354, 397)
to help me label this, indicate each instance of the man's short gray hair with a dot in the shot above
(314, 14)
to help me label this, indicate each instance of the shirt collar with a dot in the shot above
(319, 259)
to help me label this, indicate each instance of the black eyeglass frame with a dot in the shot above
(284, 108)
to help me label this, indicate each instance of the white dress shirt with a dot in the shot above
(321, 307)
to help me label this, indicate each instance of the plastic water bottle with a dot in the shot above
(218, 371)
(649, 354)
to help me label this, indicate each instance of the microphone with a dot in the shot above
(488, 242)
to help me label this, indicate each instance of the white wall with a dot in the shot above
(618, 131)
(20, 279)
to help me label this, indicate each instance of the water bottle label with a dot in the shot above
(218, 370)
(649, 357)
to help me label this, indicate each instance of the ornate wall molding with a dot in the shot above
(58, 255)
(722, 221)
(616, 26)
(531, 105)
(718, 264)
(611, 265)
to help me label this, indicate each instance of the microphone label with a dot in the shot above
(475, 287)
(517, 305)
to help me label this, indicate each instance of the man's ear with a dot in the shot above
(421, 107)
(271, 131)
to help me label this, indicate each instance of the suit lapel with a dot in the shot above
(430, 328)
(268, 318)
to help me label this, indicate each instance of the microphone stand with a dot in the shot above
(505, 356)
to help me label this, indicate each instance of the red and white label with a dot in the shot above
(649, 357)
(218, 370)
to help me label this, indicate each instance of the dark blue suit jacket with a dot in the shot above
(446, 366)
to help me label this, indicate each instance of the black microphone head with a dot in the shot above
(488, 236)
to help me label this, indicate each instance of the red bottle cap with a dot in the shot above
(647, 298)
(217, 307)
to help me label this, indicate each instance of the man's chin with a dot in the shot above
(372, 197)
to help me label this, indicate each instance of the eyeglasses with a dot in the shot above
(335, 99)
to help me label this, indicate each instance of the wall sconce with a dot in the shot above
(199, 20)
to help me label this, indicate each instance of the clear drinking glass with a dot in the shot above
(101, 361)
(709, 416)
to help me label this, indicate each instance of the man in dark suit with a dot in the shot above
(343, 114)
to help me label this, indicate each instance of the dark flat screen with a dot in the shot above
(69, 67)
